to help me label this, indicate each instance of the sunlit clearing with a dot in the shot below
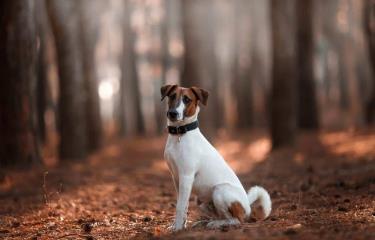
(259, 149)
(105, 90)
(243, 157)
(349, 144)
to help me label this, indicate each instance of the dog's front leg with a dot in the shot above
(185, 184)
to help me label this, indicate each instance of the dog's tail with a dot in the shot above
(261, 196)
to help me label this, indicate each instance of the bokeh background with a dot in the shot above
(82, 127)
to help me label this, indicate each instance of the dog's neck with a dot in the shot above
(185, 121)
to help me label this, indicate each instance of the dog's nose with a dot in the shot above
(172, 114)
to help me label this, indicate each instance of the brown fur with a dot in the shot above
(191, 107)
(237, 211)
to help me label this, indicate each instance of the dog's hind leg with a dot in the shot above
(208, 213)
(227, 205)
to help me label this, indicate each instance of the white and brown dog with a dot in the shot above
(197, 166)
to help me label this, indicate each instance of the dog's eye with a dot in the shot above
(186, 100)
(172, 97)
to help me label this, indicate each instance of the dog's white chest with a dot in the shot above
(182, 153)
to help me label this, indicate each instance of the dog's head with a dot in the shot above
(183, 102)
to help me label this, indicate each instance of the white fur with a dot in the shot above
(197, 166)
(180, 110)
(257, 193)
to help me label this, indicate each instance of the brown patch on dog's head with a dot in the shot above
(173, 92)
(167, 90)
(191, 102)
(201, 94)
(237, 211)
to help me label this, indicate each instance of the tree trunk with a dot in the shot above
(71, 117)
(283, 93)
(131, 118)
(350, 59)
(307, 103)
(369, 13)
(165, 59)
(243, 82)
(199, 64)
(88, 33)
(42, 69)
(18, 140)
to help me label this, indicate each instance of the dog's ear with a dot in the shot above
(166, 90)
(201, 94)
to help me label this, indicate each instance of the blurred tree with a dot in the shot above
(130, 117)
(369, 22)
(42, 87)
(283, 93)
(346, 24)
(307, 102)
(169, 6)
(71, 118)
(89, 16)
(18, 52)
(243, 71)
(199, 59)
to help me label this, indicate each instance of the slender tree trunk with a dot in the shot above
(199, 64)
(131, 118)
(369, 21)
(71, 116)
(18, 140)
(307, 103)
(350, 58)
(165, 60)
(41, 69)
(88, 33)
(243, 83)
(343, 80)
(283, 93)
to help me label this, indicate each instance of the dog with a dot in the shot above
(196, 166)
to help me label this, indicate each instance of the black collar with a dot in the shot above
(183, 129)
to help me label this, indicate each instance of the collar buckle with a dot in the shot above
(181, 130)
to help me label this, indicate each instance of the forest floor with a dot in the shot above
(324, 188)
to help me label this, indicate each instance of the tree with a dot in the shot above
(369, 22)
(307, 103)
(88, 34)
(42, 88)
(243, 64)
(131, 118)
(165, 27)
(350, 58)
(199, 63)
(71, 109)
(283, 92)
(18, 140)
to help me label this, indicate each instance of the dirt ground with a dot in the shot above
(324, 188)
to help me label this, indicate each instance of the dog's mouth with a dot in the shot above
(175, 119)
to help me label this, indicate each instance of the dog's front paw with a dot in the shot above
(171, 228)
(176, 227)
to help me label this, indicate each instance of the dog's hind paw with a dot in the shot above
(220, 223)
(201, 223)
